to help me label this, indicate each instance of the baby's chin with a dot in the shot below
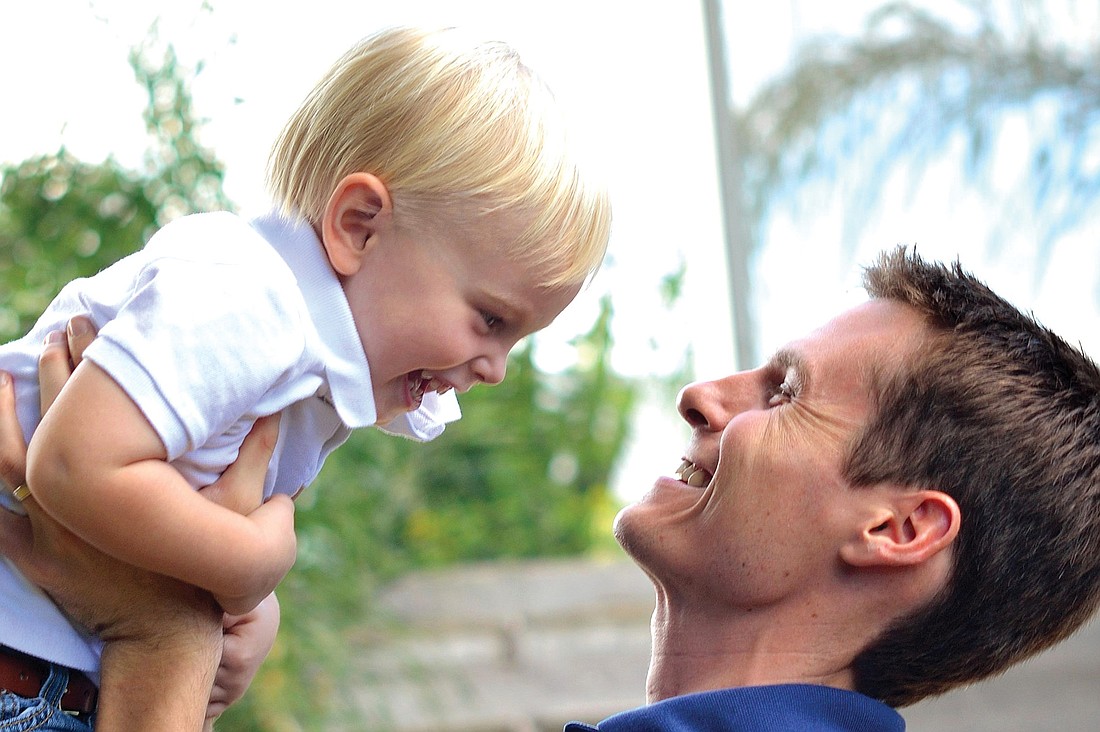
(387, 413)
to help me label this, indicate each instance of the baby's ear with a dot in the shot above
(904, 528)
(359, 209)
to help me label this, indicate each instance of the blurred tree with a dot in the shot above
(524, 473)
(62, 218)
(919, 87)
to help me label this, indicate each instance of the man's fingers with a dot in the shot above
(54, 368)
(256, 449)
(81, 332)
(16, 537)
(240, 488)
(60, 355)
(13, 449)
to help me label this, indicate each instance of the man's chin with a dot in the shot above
(637, 524)
(642, 541)
(669, 506)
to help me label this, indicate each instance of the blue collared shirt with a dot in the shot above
(780, 708)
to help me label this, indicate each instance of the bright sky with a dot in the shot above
(633, 75)
(633, 72)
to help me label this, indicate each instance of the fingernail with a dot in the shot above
(5, 378)
(55, 336)
(79, 326)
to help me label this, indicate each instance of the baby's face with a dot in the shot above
(439, 310)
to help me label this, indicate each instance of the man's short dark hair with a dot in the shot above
(1004, 416)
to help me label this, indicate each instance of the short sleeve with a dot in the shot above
(200, 341)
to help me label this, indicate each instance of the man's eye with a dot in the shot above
(782, 394)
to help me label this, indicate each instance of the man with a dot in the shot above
(902, 502)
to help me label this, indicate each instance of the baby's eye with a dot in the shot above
(493, 322)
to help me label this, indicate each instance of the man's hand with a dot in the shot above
(163, 637)
(247, 639)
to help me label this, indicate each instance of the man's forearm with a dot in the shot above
(161, 682)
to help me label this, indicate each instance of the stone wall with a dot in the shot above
(524, 647)
(511, 647)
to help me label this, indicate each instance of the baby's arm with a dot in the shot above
(98, 467)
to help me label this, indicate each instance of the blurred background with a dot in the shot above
(758, 154)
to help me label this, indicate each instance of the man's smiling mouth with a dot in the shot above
(693, 475)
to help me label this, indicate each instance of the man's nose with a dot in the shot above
(710, 405)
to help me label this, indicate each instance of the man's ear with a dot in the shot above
(359, 208)
(905, 529)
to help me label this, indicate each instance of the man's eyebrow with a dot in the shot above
(787, 359)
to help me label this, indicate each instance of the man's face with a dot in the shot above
(757, 514)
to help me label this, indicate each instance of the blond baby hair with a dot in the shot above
(456, 129)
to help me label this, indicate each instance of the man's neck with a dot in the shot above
(700, 649)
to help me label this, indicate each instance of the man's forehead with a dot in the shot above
(876, 324)
(862, 343)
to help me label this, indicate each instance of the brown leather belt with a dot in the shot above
(25, 676)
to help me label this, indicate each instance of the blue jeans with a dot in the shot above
(42, 714)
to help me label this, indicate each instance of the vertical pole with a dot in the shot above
(735, 223)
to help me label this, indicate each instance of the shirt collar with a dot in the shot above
(779, 707)
(346, 368)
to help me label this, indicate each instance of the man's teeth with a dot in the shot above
(692, 474)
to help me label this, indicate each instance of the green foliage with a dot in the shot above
(62, 218)
(527, 467)
(524, 473)
(181, 176)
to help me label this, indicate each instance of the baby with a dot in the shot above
(431, 214)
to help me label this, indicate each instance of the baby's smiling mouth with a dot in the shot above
(693, 475)
(421, 382)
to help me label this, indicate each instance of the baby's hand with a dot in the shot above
(273, 522)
